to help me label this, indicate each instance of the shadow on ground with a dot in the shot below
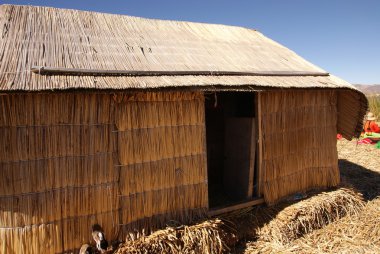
(362, 179)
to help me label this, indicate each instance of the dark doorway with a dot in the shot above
(231, 143)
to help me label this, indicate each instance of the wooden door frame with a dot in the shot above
(259, 172)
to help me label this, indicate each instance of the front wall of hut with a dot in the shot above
(127, 161)
(133, 161)
(299, 151)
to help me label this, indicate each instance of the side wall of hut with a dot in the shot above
(298, 142)
(70, 160)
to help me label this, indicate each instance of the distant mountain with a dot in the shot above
(369, 89)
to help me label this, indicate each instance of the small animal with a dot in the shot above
(86, 249)
(99, 238)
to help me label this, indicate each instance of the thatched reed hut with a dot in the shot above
(132, 123)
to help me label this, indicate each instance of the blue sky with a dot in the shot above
(341, 36)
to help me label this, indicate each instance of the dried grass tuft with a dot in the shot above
(304, 217)
(357, 233)
(212, 236)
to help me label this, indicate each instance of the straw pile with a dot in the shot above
(310, 214)
(212, 236)
(299, 142)
(304, 217)
(358, 233)
(355, 233)
(287, 222)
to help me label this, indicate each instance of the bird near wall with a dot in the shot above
(99, 238)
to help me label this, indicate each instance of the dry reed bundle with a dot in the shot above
(162, 241)
(207, 237)
(306, 216)
(310, 214)
(149, 225)
(356, 233)
(299, 142)
(212, 236)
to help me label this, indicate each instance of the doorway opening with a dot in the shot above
(231, 147)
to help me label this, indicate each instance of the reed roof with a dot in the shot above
(42, 36)
(59, 38)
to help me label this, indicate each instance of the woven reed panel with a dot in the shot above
(299, 142)
(161, 151)
(57, 171)
(70, 160)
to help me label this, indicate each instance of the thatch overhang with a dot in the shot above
(71, 39)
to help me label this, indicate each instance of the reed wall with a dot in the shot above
(299, 142)
(70, 160)
(162, 159)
